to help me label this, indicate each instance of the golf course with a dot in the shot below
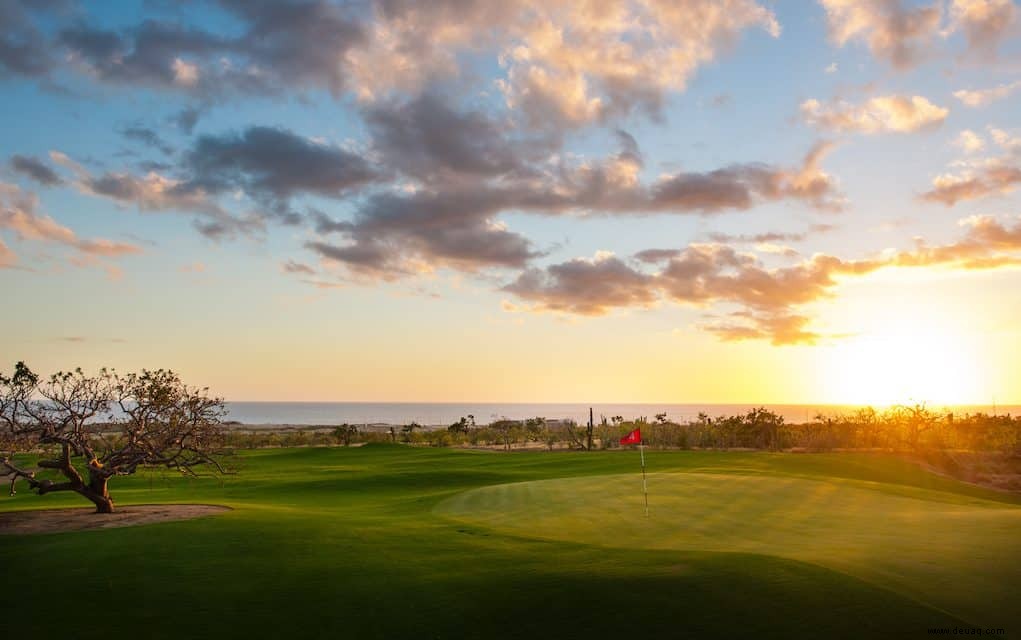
(385, 541)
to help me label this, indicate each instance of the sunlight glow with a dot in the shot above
(904, 365)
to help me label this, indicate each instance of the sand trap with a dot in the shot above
(60, 520)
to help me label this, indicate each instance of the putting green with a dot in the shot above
(953, 552)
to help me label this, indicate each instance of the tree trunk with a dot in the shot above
(97, 492)
(591, 425)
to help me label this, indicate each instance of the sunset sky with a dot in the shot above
(476, 200)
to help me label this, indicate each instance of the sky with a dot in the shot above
(516, 201)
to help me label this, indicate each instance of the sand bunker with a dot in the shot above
(59, 520)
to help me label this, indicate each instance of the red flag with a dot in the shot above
(635, 437)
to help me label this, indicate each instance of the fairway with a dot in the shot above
(953, 552)
(392, 541)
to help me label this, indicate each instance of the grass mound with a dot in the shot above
(954, 552)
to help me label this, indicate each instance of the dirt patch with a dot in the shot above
(60, 520)
(998, 471)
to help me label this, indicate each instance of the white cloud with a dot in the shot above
(969, 141)
(982, 97)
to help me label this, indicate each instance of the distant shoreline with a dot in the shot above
(380, 416)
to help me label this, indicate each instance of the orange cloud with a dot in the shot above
(779, 329)
(18, 214)
(770, 300)
(884, 114)
(568, 63)
(991, 179)
(7, 257)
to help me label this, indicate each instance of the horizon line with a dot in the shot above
(632, 402)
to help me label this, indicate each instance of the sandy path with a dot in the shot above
(60, 520)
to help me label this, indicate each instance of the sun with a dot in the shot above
(938, 366)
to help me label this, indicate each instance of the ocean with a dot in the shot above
(445, 413)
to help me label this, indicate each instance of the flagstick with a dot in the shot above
(645, 485)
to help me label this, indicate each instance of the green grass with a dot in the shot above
(384, 542)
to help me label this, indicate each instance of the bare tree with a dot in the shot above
(345, 432)
(506, 428)
(576, 437)
(161, 423)
(408, 431)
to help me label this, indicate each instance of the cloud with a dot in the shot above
(185, 74)
(585, 286)
(18, 214)
(991, 179)
(36, 170)
(654, 256)
(988, 243)
(743, 186)
(7, 257)
(155, 192)
(780, 329)
(274, 164)
(969, 141)
(225, 226)
(300, 44)
(980, 178)
(1010, 144)
(982, 97)
(65, 161)
(429, 140)
(898, 35)
(985, 23)
(145, 55)
(148, 137)
(268, 165)
(562, 64)
(770, 236)
(705, 273)
(904, 36)
(451, 174)
(567, 63)
(770, 301)
(721, 100)
(454, 224)
(151, 192)
(280, 46)
(23, 47)
(81, 339)
(186, 119)
(292, 266)
(885, 114)
(702, 275)
(396, 236)
(593, 63)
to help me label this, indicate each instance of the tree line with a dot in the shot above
(899, 428)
